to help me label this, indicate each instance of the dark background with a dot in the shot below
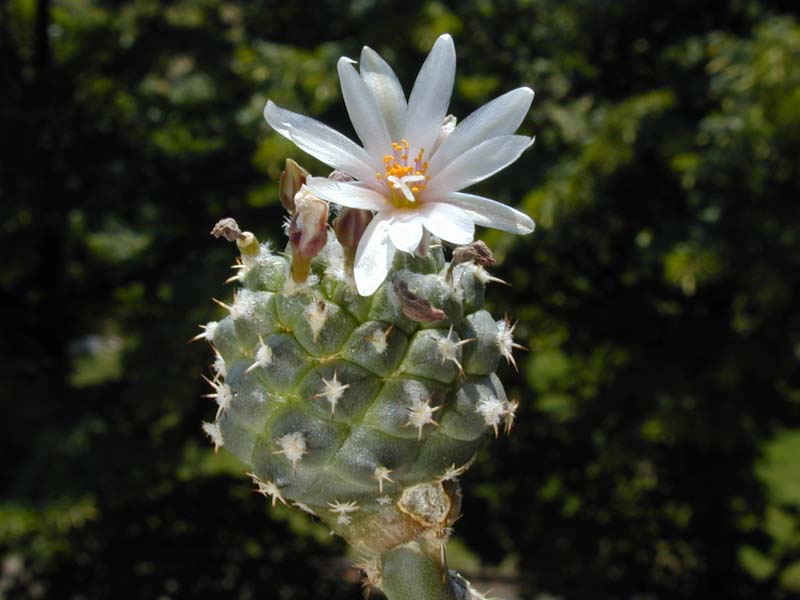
(657, 454)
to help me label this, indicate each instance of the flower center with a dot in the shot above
(403, 178)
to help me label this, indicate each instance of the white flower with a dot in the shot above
(413, 162)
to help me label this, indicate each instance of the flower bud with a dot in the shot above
(349, 226)
(293, 177)
(308, 232)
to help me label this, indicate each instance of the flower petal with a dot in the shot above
(430, 96)
(490, 213)
(485, 159)
(347, 194)
(320, 141)
(501, 116)
(448, 222)
(364, 114)
(405, 230)
(374, 255)
(384, 85)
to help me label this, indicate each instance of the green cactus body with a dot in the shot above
(346, 408)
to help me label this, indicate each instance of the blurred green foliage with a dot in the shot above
(658, 449)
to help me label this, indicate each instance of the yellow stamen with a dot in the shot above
(397, 165)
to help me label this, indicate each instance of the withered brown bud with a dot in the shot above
(293, 177)
(308, 232)
(416, 307)
(229, 229)
(476, 252)
(349, 226)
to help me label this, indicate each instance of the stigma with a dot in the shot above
(405, 178)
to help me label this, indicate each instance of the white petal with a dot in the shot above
(374, 255)
(501, 116)
(485, 159)
(320, 141)
(490, 213)
(405, 230)
(427, 105)
(447, 222)
(364, 114)
(347, 194)
(386, 88)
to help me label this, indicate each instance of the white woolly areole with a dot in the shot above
(222, 395)
(263, 355)
(316, 314)
(293, 447)
(420, 413)
(449, 348)
(333, 256)
(262, 257)
(452, 472)
(290, 286)
(505, 337)
(505, 340)
(209, 329)
(244, 305)
(379, 340)
(219, 365)
(343, 510)
(492, 410)
(214, 433)
(381, 474)
(268, 488)
(333, 392)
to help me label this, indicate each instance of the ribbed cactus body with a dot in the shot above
(358, 409)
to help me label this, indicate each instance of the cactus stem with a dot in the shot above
(409, 572)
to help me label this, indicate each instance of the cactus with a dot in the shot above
(359, 394)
